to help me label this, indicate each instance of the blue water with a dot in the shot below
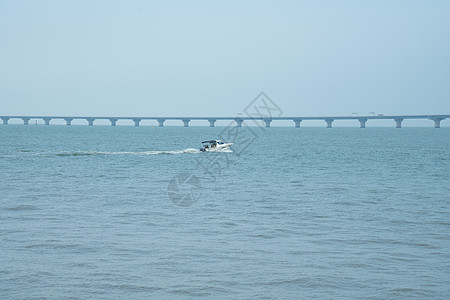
(341, 213)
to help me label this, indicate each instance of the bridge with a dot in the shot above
(238, 120)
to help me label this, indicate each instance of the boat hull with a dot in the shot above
(218, 148)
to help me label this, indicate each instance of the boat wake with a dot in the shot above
(167, 152)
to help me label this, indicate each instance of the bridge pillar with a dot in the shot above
(5, 121)
(47, 120)
(90, 121)
(239, 122)
(362, 123)
(398, 122)
(68, 121)
(26, 120)
(113, 121)
(437, 122)
(137, 121)
(212, 122)
(267, 122)
(186, 122)
(329, 123)
(297, 122)
(161, 122)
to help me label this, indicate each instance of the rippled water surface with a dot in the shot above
(89, 212)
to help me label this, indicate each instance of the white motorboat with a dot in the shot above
(214, 145)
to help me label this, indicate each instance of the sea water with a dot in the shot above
(290, 213)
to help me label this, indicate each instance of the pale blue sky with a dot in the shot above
(148, 58)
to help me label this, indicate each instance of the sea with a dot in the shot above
(102, 212)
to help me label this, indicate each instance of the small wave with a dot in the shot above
(22, 207)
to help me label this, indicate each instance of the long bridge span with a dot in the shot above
(238, 120)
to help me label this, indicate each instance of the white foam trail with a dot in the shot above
(220, 150)
(153, 152)
(188, 150)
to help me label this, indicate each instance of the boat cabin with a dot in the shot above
(212, 143)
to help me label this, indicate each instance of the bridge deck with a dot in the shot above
(238, 119)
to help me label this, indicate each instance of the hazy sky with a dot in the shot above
(148, 58)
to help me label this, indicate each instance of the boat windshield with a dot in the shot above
(211, 142)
